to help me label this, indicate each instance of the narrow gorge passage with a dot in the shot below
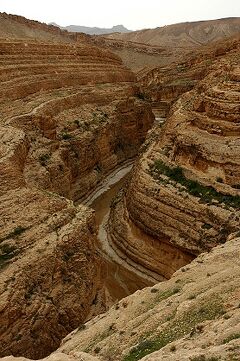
(121, 278)
(122, 275)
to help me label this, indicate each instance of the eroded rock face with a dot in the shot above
(184, 192)
(139, 57)
(69, 115)
(50, 274)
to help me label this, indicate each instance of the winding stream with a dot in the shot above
(121, 278)
(122, 275)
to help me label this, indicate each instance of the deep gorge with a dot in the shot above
(102, 197)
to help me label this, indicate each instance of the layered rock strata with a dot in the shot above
(184, 191)
(138, 57)
(69, 115)
(77, 130)
(164, 84)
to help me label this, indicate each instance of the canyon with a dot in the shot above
(100, 198)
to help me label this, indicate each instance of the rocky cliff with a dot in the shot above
(184, 191)
(69, 115)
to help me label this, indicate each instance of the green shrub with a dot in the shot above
(177, 328)
(44, 158)
(16, 232)
(234, 336)
(76, 121)
(191, 297)
(219, 180)
(6, 253)
(207, 226)
(181, 67)
(66, 136)
(206, 193)
(141, 96)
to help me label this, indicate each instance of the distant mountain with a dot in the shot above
(190, 34)
(94, 30)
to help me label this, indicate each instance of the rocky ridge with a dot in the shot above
(184, 35)
(168, 53)
(96, 30)
(195, 314)
(134, 55)
(19, 27)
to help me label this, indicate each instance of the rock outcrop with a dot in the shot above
(184, 191)
(50, 272)
(69, 115)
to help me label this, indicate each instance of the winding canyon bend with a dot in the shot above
(95, 205)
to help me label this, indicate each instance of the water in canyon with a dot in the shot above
(121, 278)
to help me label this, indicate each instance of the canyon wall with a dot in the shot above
(163, 85)
(193, 316)
(184, 190)
(138, 57)
(72, 113)
(69, 115)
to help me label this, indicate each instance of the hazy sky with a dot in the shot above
(134, 14)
